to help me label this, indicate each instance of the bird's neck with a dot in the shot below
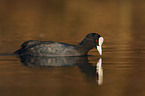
(86, 45)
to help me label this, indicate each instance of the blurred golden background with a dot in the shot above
(120, 22)
(69, 21)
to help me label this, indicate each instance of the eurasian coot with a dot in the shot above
(52, 48)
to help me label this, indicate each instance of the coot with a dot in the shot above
(52, 48)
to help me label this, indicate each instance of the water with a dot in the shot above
(121, 23)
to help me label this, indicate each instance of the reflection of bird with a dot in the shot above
(91, 72)
(99, 71)
(52, 48)
(46, 61)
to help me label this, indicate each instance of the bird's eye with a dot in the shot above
(96, 40)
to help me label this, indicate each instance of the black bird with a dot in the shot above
(52, 48)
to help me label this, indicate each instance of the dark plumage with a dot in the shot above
(52, 48)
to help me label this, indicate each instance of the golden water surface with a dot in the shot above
(120, 22)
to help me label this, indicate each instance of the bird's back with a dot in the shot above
(49, 48)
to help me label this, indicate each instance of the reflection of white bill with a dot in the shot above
(99, 71)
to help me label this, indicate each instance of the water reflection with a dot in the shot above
(99, 71)
(95, 72)
(42, 61)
